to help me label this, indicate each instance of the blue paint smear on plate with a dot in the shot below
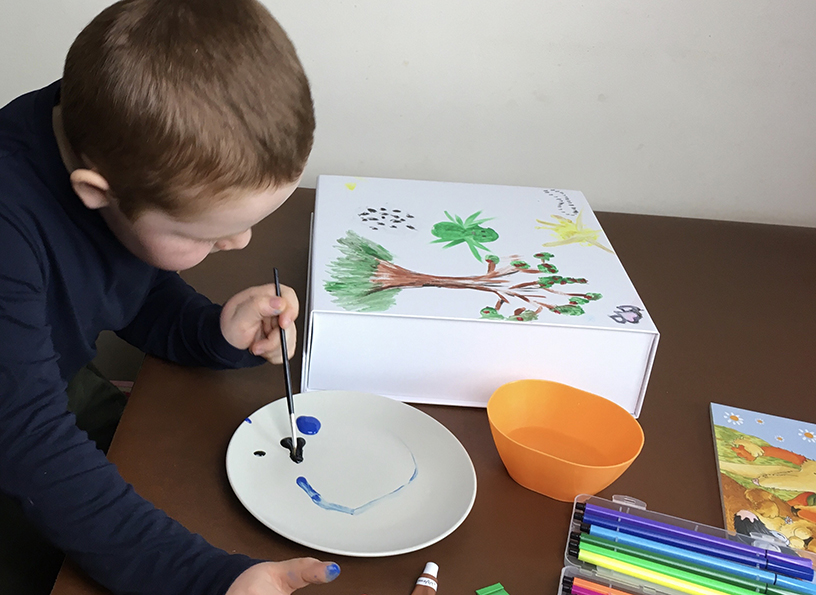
(318, 499)
(308, 425)
(249, 421)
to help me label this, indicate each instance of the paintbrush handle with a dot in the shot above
(287, 376)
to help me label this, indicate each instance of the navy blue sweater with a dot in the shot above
(64, 277)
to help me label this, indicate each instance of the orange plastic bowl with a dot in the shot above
(561, 441)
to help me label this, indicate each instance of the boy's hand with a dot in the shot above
(253, 318)
(281, 578)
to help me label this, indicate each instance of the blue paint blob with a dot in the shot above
(308, 425)
(249, 421)
(318, 499)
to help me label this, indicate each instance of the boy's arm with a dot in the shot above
(181, 325)
(64, 484)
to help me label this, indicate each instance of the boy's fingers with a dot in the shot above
(290, 313)
(258, 311)
(266, 304)
(271, 345)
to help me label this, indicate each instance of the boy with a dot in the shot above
(177, 126)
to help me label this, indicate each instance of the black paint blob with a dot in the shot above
(296, 454)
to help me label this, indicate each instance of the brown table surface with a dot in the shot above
(733, 303)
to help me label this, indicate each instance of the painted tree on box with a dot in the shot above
(365, 279)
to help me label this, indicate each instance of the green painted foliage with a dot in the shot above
(525, 316)
(351, 274)
(490, 313)
(455, 231)
(569, 310)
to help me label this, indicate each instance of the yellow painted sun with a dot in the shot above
(733, 418)
(571, 232)
(808, 435)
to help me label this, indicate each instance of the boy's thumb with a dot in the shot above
(312, 571)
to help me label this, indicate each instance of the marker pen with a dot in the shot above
(698, 542)
(712, 562)
(673, 563)
(751, 584)
(778, 562)
(603, 589)
(426, 583)
(658, 574)
(581, 590)
(644, 574)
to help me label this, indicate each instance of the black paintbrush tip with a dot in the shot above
(295, 453)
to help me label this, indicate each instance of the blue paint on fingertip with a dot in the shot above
(332, 572)
(308, 425)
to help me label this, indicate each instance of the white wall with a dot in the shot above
(700, 108)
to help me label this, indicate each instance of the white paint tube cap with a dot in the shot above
(431, 569)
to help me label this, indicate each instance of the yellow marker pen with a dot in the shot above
(646, 574)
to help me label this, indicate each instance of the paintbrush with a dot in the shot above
(292, 443)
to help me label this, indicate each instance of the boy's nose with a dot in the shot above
(236, 242)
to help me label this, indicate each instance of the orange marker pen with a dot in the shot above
(426, 583)
(597, 587)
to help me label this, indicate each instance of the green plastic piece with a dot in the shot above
(496, 589)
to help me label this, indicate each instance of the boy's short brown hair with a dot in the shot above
(174, 102)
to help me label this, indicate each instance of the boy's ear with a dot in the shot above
(91, 188)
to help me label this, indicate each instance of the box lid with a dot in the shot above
(468, 252)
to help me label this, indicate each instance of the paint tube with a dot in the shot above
(426, 583)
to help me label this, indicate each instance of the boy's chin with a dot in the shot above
(169, 263)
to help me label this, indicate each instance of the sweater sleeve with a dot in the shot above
(179, 324)
(65, 485)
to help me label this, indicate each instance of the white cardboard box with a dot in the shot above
(435, 292)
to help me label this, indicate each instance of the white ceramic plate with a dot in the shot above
(379, 478)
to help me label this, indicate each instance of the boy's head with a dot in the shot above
(181, 105)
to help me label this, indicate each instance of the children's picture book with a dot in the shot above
(767, 469)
